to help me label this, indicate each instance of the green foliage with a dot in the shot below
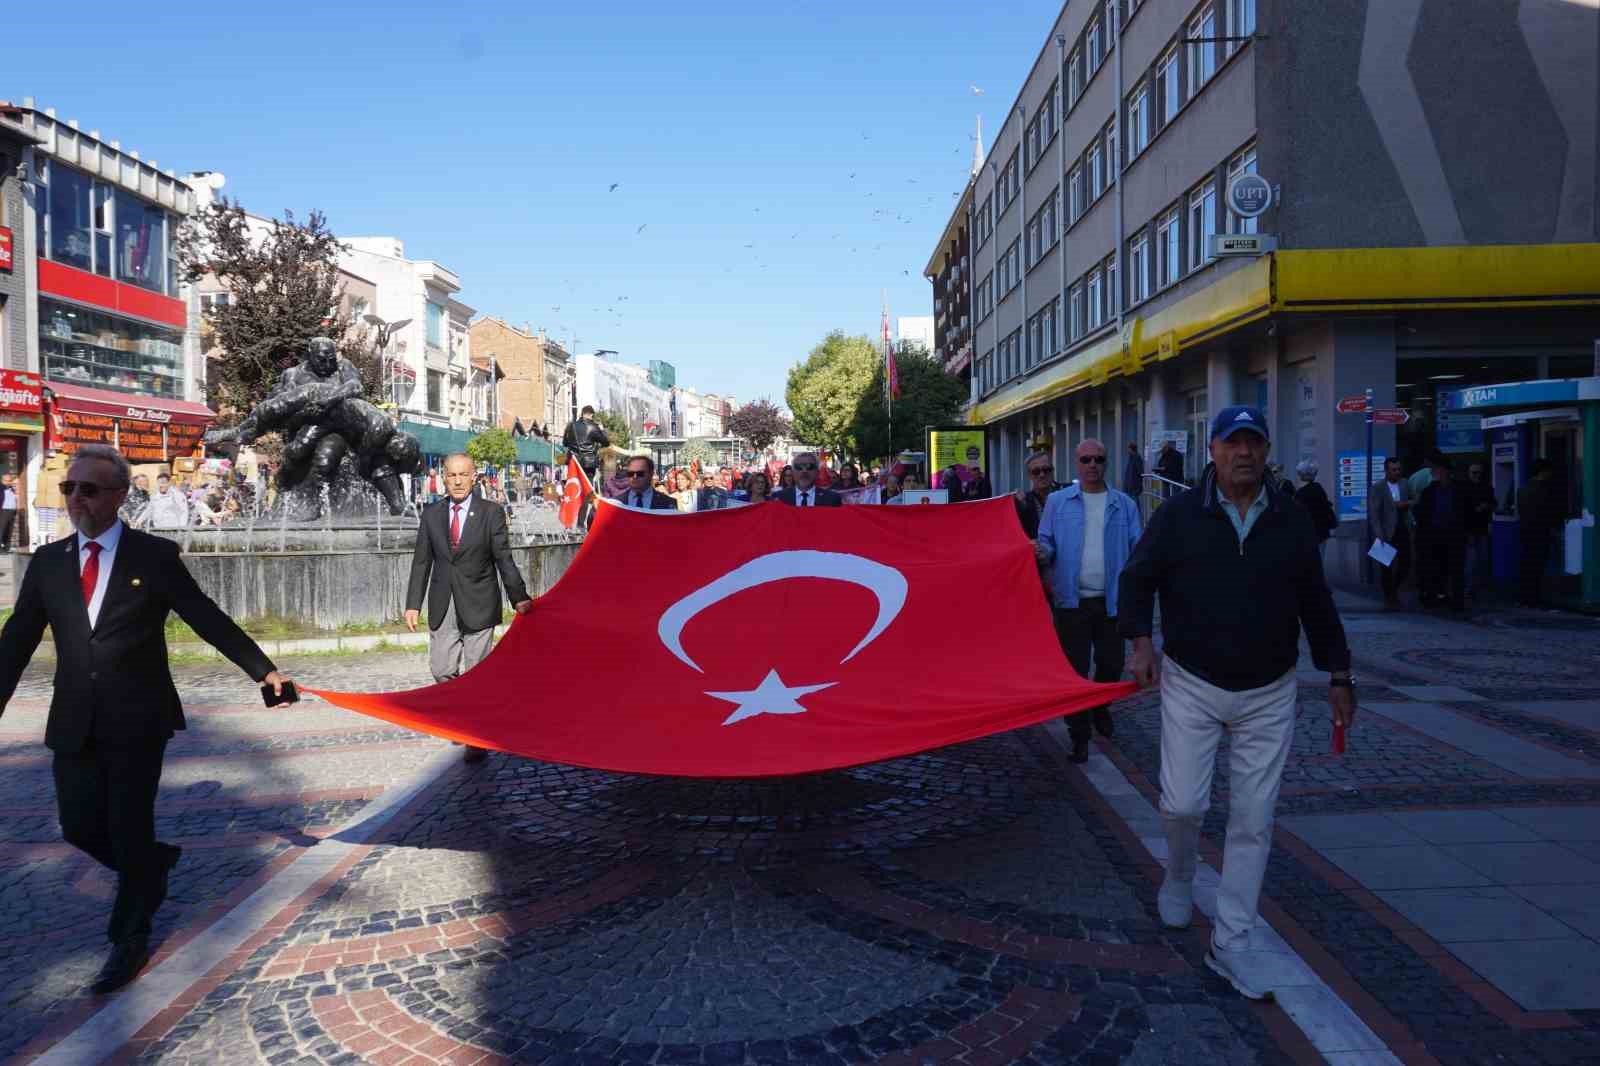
(928, 397)
(825, 391)
(759, 422)
(281, 285)
(697, 449)
(493, 447)
(616, 428)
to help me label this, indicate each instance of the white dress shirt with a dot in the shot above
(805, 497)
(108, 542)
(450, 515)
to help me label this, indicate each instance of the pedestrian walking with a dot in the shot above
(462, 557)
(805, 492)
(8, 509)
(1086, 534)
(1314, 499)
(1169, 467)
(1540, 514)
(1236, 569)
(1389, 520)
(640, 494)
(1133, 472)
(105, 592)
(1441, 515)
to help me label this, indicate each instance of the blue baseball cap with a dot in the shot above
(1230, 420)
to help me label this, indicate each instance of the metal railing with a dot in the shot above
(1153, 491)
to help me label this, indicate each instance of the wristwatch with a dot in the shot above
(1347, 680)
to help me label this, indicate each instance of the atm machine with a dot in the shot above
(1514, 441)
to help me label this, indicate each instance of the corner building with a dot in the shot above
(1431, 225)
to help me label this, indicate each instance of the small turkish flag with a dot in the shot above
(573, 493)
(766, 640)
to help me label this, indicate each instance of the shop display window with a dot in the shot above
(107, 352)
(90, 225)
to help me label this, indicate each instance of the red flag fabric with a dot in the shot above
(767, 640)
(574, 491)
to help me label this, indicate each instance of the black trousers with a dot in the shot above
(1534, 558)
(106, 799)
(8, 518)
(1394, 575)
(1442, 569)
(1084, 631)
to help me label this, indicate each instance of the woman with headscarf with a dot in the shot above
(1314, 499)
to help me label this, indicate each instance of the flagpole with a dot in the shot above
(888, 389)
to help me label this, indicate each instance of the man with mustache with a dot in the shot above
(1236, 565)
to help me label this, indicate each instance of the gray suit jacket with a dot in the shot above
(1383, 517)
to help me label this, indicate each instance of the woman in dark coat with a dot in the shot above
(1314, 499)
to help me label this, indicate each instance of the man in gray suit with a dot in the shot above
(1389, 520)
(462, 543)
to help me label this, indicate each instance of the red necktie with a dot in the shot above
(455, 525)
(91, 572)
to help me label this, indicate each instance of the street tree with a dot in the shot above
(284, 288)
(825, 391)
(760, 422)
(616, 427)
(928, 397)
(493, 447)
(697, 450)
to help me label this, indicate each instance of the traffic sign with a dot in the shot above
(1353, 405)
(1391, 416)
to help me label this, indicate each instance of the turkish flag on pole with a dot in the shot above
(767, 640)
(574, 491)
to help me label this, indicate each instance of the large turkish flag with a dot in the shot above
(767, 640)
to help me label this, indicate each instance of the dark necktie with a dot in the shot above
(91, 572)
(805, 499)
(638, 499)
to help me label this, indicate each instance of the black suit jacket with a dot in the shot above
(659, 501)
(467, 573)
(821, 497)
(112, 684)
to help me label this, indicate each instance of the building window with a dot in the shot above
(1113, 16)
(1113, 160)
(435, 329)
(1241, 21)
(1203, 52)
(1139, 268)
(1096, 170)
(1074, 77)
(1035, 248)
(104, 235)
(211, 302)
(1167, 85)
(1167, 250)
(1138, 121)
(1051, 226)
(1096, 299)
(1075, 186)
(1035, 341)
(141, 242)
(1080, 323)
(435, 390)
(1243, 163)
(1049, 115)
(1093, 45)
(107, 351)
(1202, 223)
(1047, 327)
(1113, 293)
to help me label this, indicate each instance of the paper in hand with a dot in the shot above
(1383, 552)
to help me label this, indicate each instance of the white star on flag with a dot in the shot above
(772, 696)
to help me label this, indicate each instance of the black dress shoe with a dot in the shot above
(1080, 751)
(473, 754)
(172, 853)
(1102, 722)
(122, 965)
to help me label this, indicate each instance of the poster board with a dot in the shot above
(949, 445)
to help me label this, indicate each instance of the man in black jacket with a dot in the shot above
(462, 543)
(105, 593)
(1441, 515)
(584, 438)
(805, 492)
(1235, 563)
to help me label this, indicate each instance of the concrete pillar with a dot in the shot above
(1220, 390)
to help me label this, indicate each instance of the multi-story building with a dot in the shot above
(916, 329)
(101, 325)
(536, 375)
(1404, 229)
(950, 271)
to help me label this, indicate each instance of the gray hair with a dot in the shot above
(459, 455)
(1307, 469)
(107, 454)
(1036, 455)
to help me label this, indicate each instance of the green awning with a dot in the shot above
(534, 450)
(437, 440)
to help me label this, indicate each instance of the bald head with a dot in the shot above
(1091, 463)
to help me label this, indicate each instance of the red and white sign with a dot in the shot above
(769, 641)
(20, 391)
(5, 248)
(1352, 405)
(1391, 416)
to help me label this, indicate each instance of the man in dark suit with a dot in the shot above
(639, 495)
(805, 492)
(462, 541)
(105, 592)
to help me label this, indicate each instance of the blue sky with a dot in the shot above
(787, 161)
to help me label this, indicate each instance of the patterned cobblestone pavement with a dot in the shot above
(978, 904)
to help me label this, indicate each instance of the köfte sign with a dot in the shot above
(5, 248)
(20, 391)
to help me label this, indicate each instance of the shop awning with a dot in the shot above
(437, 440)
(81, 398)
(535, 450)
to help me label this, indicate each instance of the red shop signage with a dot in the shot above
(19, 391)
(5, 248)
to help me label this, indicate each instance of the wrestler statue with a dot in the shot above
(317, 408)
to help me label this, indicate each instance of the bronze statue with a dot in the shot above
(317, 407)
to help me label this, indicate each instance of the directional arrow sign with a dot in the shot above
(1352, 405)
(1391, 416)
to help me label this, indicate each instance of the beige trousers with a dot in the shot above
(1260, 723)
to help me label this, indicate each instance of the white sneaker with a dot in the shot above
(1231, 966)
(1175, 902)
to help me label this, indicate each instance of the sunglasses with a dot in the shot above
(87, 489)
(1041, 471)
(804, 466)
(638, 473)
(1097, 459)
